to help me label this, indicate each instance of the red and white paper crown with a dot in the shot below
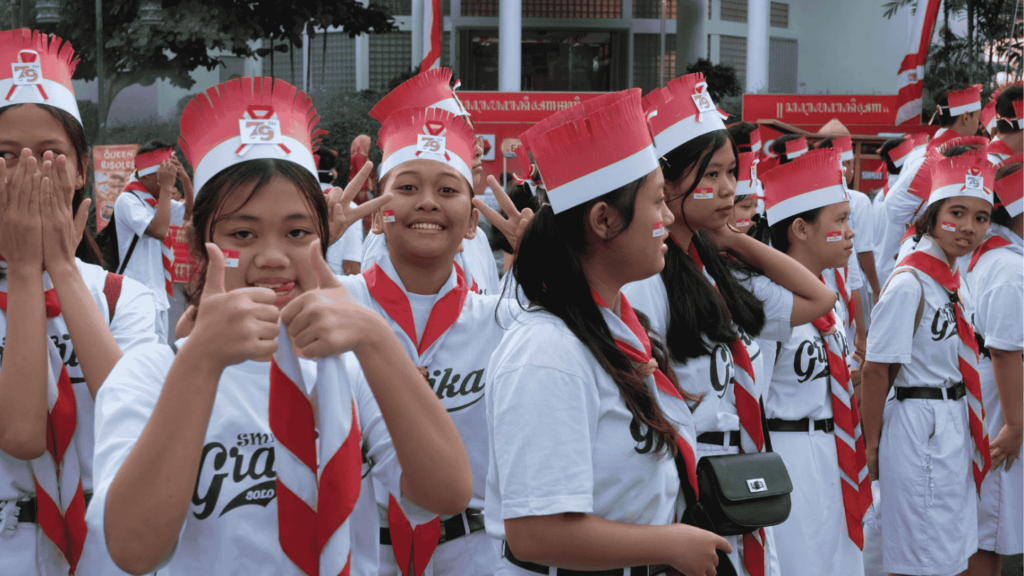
(963, 101)
(795, 148)
(989, 117)
(845, 146)
(969, 174)
(812, 181)
(681, 111)
(912, 142)
(1010, 189)
(1017, 122)
(592, 148)
(921, 185)
(36, 69)
(746, 179)
(428, 89)
(149, 162)
(427, 134)
(755, 140)
(248, 119)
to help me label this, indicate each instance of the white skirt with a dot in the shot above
(929, 516)
(1001, 508)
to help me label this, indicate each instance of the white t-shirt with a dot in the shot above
(231, 526)
(146, 264)
(887, 234)
(778, 306)
(862, 220)
(348, 247)
(997, 290)
(475, 259)
(901, 207)
(929, 356)
(133, 326)
(560, 439)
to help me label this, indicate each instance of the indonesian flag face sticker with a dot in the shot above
(949, 227)
(389, 215)
(704, 194)
(27, 71)
(659, 229)
(231, 258)
(836, 236)
(743, 223)
(260, 126)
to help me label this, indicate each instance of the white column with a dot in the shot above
(757, 45)
(510, 45)
(417, 32)
(691, 40)
(362, 62)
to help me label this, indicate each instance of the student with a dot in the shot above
(188, 442)
(64, 320)
(1010, 122)
(747, 137)
(895, 152)
(706, 318)
(143, 212)
(748, 192)
(921, 447)
(584, 417)
(996, 277)
(810, 406)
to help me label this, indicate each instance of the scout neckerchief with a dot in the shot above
(631, 338)
(60, 498)
(967, 357)
(316, 490)
(409, 543)
(853, 462)
(166, 248)
(748, 409)
(990, 243)
(847, 296)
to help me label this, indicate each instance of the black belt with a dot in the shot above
(719, 438)
(542, 569)
(28, 509)
(801, 425)
(954, 392)
(451, 528)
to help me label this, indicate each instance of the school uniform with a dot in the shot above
(451, 335)
(133, 214)
(232, 522)
(996, 279)
(24, 549)
(475, 259)
(348, 247)
(929, 516)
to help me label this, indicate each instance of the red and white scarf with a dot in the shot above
(166, 247)
(846, 295)
(316, 490)
(990, 243)
(967, 357)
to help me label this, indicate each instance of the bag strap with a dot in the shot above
(112, 290)
(894, 369)
(135, 240)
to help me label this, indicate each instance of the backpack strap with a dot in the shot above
(112, 290)
(894, 369)
(135, 240)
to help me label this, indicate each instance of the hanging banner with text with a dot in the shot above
(112, 166)
(862, 114)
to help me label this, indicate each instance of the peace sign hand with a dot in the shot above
(340, 214)
(513, 226)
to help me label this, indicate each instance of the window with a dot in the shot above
(552, 8)
(231, 67)
(389, 57)
(646, 55)
(779, 15)
(652, 9)
(332, 65)
(403, 7)
(734, 10)
(782, 60)
(733, 52)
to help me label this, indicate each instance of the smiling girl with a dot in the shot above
(926, 443)
(189, 445)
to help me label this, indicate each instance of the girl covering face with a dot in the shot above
(175, 423)
(63, 319)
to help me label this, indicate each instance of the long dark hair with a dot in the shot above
(696, 310)
(779, 232)
(549, 270)
(212, 196)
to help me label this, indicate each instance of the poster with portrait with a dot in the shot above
(112, 167)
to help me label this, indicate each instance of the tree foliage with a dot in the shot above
(721, 78)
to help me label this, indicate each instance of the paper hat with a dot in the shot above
(1017, 122)
(746, 178)
(845, 146)
(248, 119)
(794, 148)
(912, 142)
(149, 162)
(812, 181)
(681, 111)
(755, 140)
(969, 141)
(428, 89)
(36, 69)
(969, 174)
(427, 134)
(963, 101)
(988, 113)
(1010, 189)
(592, 148)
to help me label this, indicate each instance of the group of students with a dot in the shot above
(642, 325)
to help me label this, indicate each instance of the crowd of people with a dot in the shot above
(676, 294)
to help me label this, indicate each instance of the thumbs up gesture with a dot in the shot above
(238, 325)
(324, 320)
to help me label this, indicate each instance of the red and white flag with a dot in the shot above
(911, 73)
(432, 23)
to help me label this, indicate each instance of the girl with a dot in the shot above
(922, 446)
(583, 420)
(997, 286)
(189, 443)
(706, 318)
(64, 320)
(810, 407)
(748, 192)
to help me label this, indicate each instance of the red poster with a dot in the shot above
(183, 262)
(112, 166)
(862, 114)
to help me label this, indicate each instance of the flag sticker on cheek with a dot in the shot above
(743, 222)
(836, 236)
(659, 229)
(389, 215)
(231, 258)
(948, 227)
(704, 194)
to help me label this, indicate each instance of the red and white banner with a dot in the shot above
(432, 23)
(911, 73)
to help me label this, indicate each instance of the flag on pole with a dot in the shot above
(911, 73)
(431, 35)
